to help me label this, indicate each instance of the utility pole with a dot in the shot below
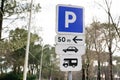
(28, 44)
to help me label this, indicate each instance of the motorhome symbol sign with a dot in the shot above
(73, 62)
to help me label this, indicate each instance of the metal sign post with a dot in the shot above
(69, 75)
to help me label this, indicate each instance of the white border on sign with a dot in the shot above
(57, 9)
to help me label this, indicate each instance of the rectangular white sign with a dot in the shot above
(70, 49)
(70, 63)
(70, 39)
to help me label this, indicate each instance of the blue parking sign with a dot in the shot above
(70, 19)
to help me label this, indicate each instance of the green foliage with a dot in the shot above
(17, 7)
(11, 76)
(14, 76)
(18, 38)
(31, 77)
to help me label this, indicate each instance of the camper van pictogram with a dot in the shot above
(70, 62)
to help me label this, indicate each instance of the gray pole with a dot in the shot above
(41, 62)
(69, 75)
(27, 47)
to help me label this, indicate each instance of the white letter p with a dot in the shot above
(67, 20)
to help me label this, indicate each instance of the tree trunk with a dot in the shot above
(87, 68)
(83, 69)
(110, 66)
(14, 69)
(83, 74)
(19, 70)
(1, 17)
(87, 72)
(99, 72)
(1, 69)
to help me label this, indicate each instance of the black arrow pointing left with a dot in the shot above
(75, 39)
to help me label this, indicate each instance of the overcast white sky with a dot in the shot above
(47, 16)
